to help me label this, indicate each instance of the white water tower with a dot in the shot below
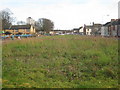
(30, 21)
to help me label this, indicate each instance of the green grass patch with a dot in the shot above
(60, 62)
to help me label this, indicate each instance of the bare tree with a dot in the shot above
(21, 23)
(45, 25)
(5, 18)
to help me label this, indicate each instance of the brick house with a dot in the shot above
(111, 28)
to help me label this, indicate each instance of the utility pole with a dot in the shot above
(118, 27)
(93, 30)
(119, 10)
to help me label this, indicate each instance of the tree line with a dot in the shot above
(42, 24)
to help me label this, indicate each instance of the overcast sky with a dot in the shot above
(66, 14)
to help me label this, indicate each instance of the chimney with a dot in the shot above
(113, 19)
(93, 23)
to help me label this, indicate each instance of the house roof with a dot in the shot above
(77, 28)
(89, 26)
(107, 24)
(60, 30)
(16, 27)
(97, 25)
(115, 22)
(118, 21)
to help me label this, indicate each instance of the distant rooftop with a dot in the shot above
(113, 22)
(16, 27)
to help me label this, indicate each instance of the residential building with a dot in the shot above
(81, 31)
(92, 29)
(111, 28)
(78, 30)
(115, 27)
(24, 29)
(87, 29)
(96, 29)
(104, 29)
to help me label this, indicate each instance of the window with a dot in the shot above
(113, 27)
(27, 30)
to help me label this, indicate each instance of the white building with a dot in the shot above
(81, 31)
(88, 30)
(104, 29)
(30, 21)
